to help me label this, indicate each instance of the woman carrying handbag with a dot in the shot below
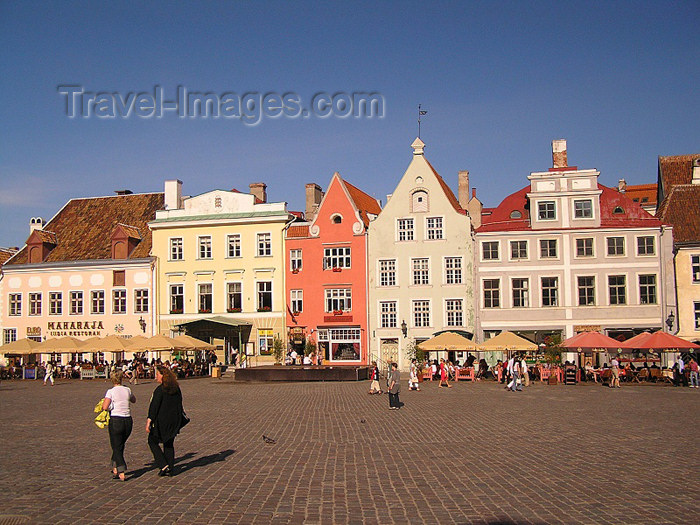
(164, 420)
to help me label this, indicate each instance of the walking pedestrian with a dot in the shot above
(394, 387)
(693, 365)
(374, 387)
(524, 371)
(164, 420)
(48, 375)
(413, 376)
(615, 366)
(443, 375)
(118, 401)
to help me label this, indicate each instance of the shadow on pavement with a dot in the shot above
(205, 460)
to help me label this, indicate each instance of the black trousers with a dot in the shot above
(164, 457)
(119, 431)
(394, 400)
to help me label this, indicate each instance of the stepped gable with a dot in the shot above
(82, 229)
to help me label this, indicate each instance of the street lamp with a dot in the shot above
(404, 328)
(669, 321)
(142, 324)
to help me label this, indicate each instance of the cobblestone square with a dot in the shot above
(470, 454)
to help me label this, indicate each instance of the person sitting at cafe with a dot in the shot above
(483, 368)
(590, 371)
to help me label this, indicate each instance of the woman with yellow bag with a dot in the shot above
(118, 401)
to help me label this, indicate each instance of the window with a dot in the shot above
(338, 300)
(387, 316)
(420, 271)
(387, 272)
(141, 301)
(34, 304)
(521, 293)
(265, 340)
(453, 270)
(647, 289)
(546, 211)
(264, 244)
(696, 306)
(616, 245)
(344, 344)
(264, 296)
(15, 304)
(616, 289)
(434, 227)
(234, 297)
(489, 251)
(297, 299)
(584, 247)
(205, 297)
(405, 227)
(55, 303)
(76, 303)
(337, 219)
(177, 298)
(233, 243)
(419, 200)
(548, 248)
(583, 209)
(492, 293)
(336, 258)
(205, 247)
(176, 252)
(9, 335)
(295, 260)
(97, 302)
(118, 301)
(421, 313)
(695, 267)
(550, 292)
(453, 309)
(586, 290)
(645, 245)
(119, 278)
(518, 250)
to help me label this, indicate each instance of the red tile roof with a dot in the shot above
(83, 227)
(46, 236)
(681, 209)
(448, 192)
(675, 169)
(640, 192)
(633, 214)
(365, 203)
(5, 254)
(298, 232)
(131, 231)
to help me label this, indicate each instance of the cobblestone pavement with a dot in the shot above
(470, 454)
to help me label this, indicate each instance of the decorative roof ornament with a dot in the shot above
(418, 146)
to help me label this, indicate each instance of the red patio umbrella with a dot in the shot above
(636, 342)
(591, 340)
(662, 341)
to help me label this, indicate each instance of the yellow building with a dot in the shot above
(221, 269)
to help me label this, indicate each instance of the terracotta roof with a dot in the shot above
(5, 254)
(84, 227)
(364, 203)
(298, 231)
(131, 231)
(448, 192)
(644, 194)
(673, 170)
(681, 209)
(46, 236)
(633, 214)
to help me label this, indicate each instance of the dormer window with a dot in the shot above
(124, 239)
(419, 201)
(618, 210)
(515, 214)
(39, 245)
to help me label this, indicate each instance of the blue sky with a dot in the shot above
(500, 80)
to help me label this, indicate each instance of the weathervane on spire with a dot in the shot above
(421, 113)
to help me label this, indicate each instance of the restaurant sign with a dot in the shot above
(75, 328)
(298, 335)
(33, 331)
(588, 328)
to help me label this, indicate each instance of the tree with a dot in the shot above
(552, 351)
(278, 349)
(414, 351)
(309, 347)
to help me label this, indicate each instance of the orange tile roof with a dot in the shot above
(640, 192)
(5, 254)
(681, 209)
(298, 231)
(46, 236)
(83, 227)
(132, 231)
(365, 203)
(448, 192)
(675, 169)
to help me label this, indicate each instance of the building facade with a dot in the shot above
(221, 268)
(421, 263)
(87, 272)
(566, 254)
(327, 273)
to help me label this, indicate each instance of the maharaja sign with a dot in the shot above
(74, 328)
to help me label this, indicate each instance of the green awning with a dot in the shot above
(226, 321)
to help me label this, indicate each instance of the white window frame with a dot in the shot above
(139, 301)
(626, 286)
(582, 218)
(341, 297)
(498, 291)
(607, 246)
(403, 230)
(170, 297)
(423, 273)
(176, 250)
(428, 312)
(125, 298)
(438, 229)
(55, 301)
(556, 250)
(695, 268)
(454, 274)
(271, 291)
(454, 317)
(337, 257)
(9, 335)
(234, 243)
(557, 291)
(637, 238)
(498, 251)
(263, 244)
(544, 203)
(202, 248)
(15, 304)
(527, 295)
(295, 259)
(639, 287)
(519, 242)
(77, 302)
(696, 313)
(229, 293)
(387, 274)
(578, 290)
(34, 299)
(388, 314)
(296, 300)
(576, 255)
(100, 297)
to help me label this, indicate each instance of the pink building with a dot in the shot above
(327, 273)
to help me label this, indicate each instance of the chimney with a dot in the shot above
(463, 188)
(473, 193)
(622, 185)
(559, 153)
(259, 189)
(696, 171)
(314, 194)
(474, 208)
(173, 194)
(36, 223)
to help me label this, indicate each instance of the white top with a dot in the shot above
(120, 396)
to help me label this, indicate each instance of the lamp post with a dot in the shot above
(669, 321)
(404, 328)
(142, 324)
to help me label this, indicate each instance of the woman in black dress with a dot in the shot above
(164, 420)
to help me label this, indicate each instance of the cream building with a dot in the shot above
(221, 268)
(421, 263)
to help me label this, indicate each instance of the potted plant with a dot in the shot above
(176, 310)
(337, 269)
(264, 309)
(295, 270)
(337, 312)
(233, 310)
(278, 349)
(552, 355)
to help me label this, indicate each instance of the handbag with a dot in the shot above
(184, 420)
(102, 418)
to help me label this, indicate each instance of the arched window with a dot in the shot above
(337, 219)
(420, 201)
